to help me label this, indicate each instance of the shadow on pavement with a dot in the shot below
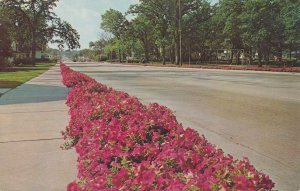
(32, 93)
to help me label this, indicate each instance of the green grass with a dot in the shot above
(15, 76)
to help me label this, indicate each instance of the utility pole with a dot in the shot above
(180, 39)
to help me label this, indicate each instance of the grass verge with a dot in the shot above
(15, 76)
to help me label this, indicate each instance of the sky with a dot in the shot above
(85, 16)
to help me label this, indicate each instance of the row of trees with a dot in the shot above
(178, 30)
(30, 25)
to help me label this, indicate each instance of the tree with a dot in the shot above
(114, 21)
(141, 29)
(290, 16)
(41, 23)
(170, 18)
(101, 43)
(195, 27)
(5, 40)
(87, 54)
(157, 12)
(101, 46)
(228, 15)
(262, 29)
(163, 27)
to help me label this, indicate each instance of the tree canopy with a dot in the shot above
(254, 30)
(5, 41)
(34, 24)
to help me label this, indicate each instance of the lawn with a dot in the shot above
(15, 76)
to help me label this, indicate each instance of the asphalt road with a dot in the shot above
(246, 113)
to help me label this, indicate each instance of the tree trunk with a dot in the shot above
(250, 57)
(33, 33)
(238, 58)
(231, 57)
(157, 53)
(2, 64)
(176, 53)
(120, 59)
(170, 56)
(280, 55)
(33, 49)
(189, 54)
(259, 58)
(146, 52)
(290, 49)
(268, 58)
(164, 54)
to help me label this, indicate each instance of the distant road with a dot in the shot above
(246, 113)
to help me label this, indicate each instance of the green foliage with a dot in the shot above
(228, 14)
(114, 22)
(22, 61)
(142, 30)
(33, 24)
(263, 29)
(5, 41)
(290, 15)
(101, 57)
(5, 49)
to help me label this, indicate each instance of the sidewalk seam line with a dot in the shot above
(30, 140)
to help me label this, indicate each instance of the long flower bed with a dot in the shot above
(125, 145)
(252, 68)
(230, 67)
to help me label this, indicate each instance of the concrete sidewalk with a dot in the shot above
(31, 118)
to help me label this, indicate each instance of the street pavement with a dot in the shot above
(246, 113)
(31, 118)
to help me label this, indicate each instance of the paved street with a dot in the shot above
(31, 118)
(253, 114)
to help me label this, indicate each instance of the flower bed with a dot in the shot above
(227, 67)
(253, 68)
(125, 145)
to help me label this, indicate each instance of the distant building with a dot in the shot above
(17, 54)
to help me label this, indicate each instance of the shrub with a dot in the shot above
(113, 60)
(125, 145)
(101, 57)
(22, 61)
(132, 60)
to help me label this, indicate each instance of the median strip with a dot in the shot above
(125, 145)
